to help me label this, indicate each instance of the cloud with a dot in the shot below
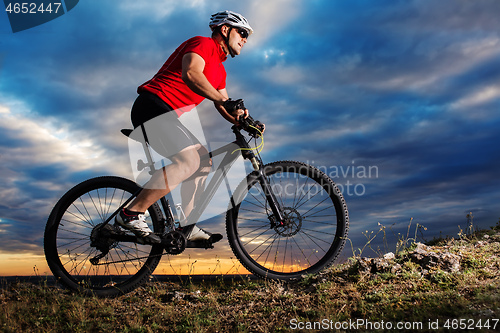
(159, 9)
(477, 98)
(410, 87)
(284, 75)
(37, 142)
(270, 18)
(40, 162)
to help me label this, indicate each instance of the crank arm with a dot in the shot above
(127, 238)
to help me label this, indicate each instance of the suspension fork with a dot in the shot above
(275, 206)
(247, 153)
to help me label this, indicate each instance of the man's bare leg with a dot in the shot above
(193, 187)
(184, 165)
(192, 190)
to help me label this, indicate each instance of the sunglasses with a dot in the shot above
(243, 33)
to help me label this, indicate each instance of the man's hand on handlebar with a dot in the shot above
(240, 114)
(237, 109)
(254, 127)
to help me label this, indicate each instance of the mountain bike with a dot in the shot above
(286, 219)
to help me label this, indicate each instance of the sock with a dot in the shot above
(197, 234)
(128, 212)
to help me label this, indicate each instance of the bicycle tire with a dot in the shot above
(68, 247)
(309, 242)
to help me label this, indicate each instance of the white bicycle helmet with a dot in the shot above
(231, 18)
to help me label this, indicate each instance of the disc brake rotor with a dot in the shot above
(292, 223)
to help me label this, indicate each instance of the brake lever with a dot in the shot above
(253, 127)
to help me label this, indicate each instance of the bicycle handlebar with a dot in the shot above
(253, 127)
(232, 105)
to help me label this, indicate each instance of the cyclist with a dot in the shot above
(194, 72)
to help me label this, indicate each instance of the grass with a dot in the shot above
(337, 296)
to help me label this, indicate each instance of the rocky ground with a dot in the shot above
(449, 287)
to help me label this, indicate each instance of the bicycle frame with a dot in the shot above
(240, 145)
(229, 158)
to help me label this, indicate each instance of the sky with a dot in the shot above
(398, 101)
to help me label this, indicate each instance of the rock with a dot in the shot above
(178, 295)
(364, 265)
(425, 257)
(396, 268)
(389, 256)
(377, 265)
(382, 265)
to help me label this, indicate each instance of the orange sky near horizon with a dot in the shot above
(30, 264)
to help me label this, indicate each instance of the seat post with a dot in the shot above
(145, 146)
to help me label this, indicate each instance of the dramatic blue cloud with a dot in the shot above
(409, 88)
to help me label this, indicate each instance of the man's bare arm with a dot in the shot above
(192, 74)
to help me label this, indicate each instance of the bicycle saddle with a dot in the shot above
(126, 131)
(135, 134)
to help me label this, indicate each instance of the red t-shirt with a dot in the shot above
(168, 84)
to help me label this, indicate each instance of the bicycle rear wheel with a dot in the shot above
(72, 239)
(315, 227)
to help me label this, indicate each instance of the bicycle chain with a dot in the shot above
(126, 260)
(175, 241)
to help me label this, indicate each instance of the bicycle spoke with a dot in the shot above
(319, 211)
(318, 222)
(251, 231)
(262, 244)
(80, 246)
(302, 251)
(85, 220)
(312, 239)
(319, 231)
(74, 232)
(305, 236)
(256, 237)
(254, 211)
(262, 205)
(319, 203)
(76, 223)
(86, 210)
(297, 207)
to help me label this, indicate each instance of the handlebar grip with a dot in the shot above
(253, 127)
(240, 105)
(233, 105)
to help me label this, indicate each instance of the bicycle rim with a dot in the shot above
(313, 234)
(69, 248)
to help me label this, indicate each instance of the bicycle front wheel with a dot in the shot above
(313, 232)
(73, 237)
